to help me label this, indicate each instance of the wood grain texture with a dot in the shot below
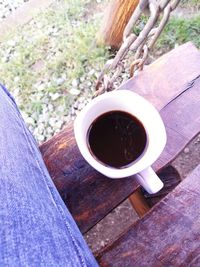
(168, 76)
(89, 195)
(115, 20)
(169, 235)
(182, 121)
(139, 203)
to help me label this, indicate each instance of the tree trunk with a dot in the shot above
(115, 21)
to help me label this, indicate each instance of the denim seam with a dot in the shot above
(45, 178)
(13, 105)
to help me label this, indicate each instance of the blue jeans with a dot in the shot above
(36, 229)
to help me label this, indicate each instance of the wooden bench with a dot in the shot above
(169, 235)
(172, 84)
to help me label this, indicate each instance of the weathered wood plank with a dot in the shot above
(182, 121)
(169, 235)
(165, 79)
(139, 202)
(89, 195)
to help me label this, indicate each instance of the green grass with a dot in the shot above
(57, 43)
(190, 3)
(60, 43)
(179, 31)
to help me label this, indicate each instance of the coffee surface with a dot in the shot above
(116, 139)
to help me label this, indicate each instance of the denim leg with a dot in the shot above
(36, 229)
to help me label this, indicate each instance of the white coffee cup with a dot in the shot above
(145, 112)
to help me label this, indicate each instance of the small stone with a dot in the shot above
(75, 83)
(49, 130)
(89, 83)
(44, 108)
(198, 138)
(81, 99)
(5, 59)
(40, 86)
(35, 132)
(186, 150)
(60, 81)
(52, 122)
(64, 76)
(102, 243)
(57, 131)
(82, 79)
(58, 124)
(74, 91)
(11, 43)
(91, 72)
(96, 74)
(87, 101)
(30, 121)
(73, 112)
(24, 115)
(75, 106)
(40, 137)
(62, 109)
(16, 92)
(54, 96)
(31, 128)
(43, 117)
(50, 107)
(41, 128)
(16, 79)
(176, 45)
(81, 106)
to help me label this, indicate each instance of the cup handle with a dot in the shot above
(149, 180)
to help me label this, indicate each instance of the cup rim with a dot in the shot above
(151, 153)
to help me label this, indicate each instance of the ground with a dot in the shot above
(50, 65)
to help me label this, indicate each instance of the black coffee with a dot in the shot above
(116, 138)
